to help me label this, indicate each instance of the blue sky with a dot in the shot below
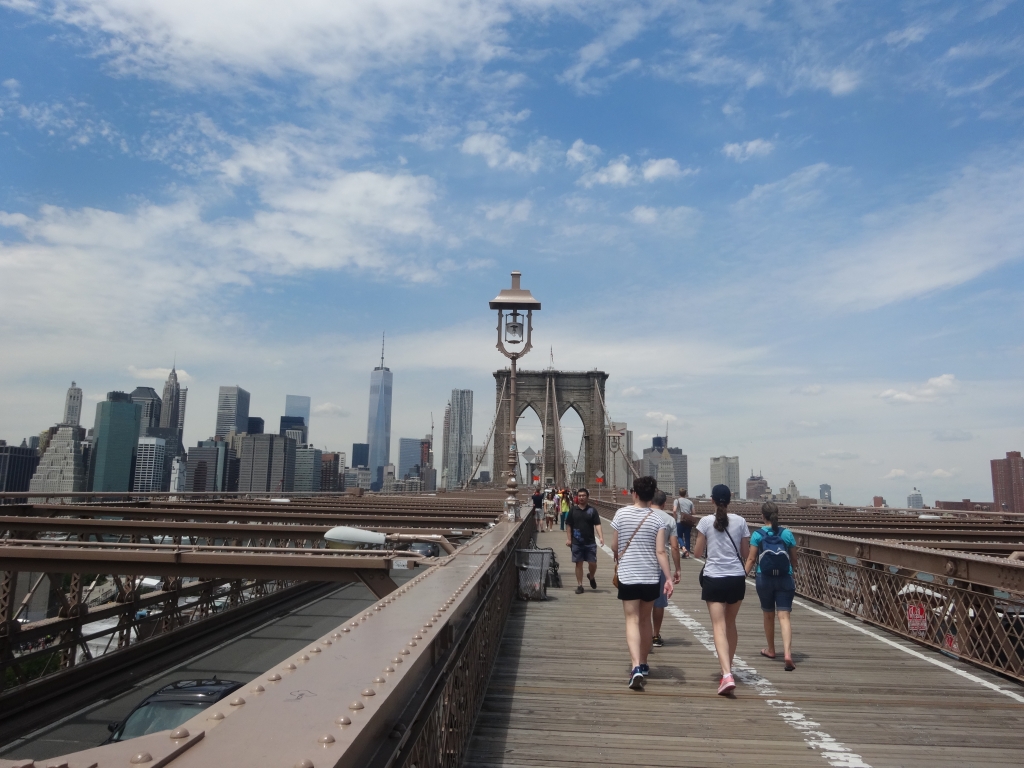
(792, 231)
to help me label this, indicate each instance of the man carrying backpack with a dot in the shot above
(773, 548)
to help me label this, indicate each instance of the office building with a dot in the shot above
(149, 465)
(410, 452)
(17, 465)
(878, 501)
(757, 487)
(179, 473)
(915, 500)
(60, 468)
(267, 464)
(669, 466)
(151, 405)
(115, 443)
(378, 424)
(255, 426)
(211, 466)
(172, 410)
(1008, 483)
(298, 406)
(360, 455)
(331, 467)
(428, 475)
(296, 428)
(308, 467)
(357, 477)
(725, 470)
(182, 399)
(33, 443)
(73, 406)
(232, 411)
(825, 492)
(458, 439)
(965, 505)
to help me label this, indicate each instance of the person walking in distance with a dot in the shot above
(726, 540)
(773, 548)
(549, 511)
(563, 507)
(682, 508)
(658, 614)
(583, 531)
(538, 508)
(638, 541)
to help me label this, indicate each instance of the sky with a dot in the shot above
(789, 231)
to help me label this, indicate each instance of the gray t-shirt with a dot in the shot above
(670, 528)
(682, 507)
(722, 558)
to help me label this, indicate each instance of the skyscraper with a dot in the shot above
(182, 399)
(1008, 483)
(149, 465)
(267, 464)
(378, 424)
(295, 427)
(825, 492)
(669, 466)
(232, 410)
(308, 467)
(17, 465)
(331, 467)
(458, 438)
(298, 405)
(61, 468)
(757, 486)
(409, 455)
(360, 455)
(255, 426)
(725, 470)
(915, 500)
(73, 406)
(211, 466)
(151, 409)
(115, 443)
(172, 414)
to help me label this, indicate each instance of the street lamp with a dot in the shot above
(514, 305)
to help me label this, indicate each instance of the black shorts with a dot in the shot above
(646, 592)
(724, 589)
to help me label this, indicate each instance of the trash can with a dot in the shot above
(532, 565)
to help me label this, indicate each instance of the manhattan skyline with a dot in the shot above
(792, 234)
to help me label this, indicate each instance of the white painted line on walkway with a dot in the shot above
(834, 752)
(916, 654)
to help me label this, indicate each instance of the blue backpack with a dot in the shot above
(774, 557)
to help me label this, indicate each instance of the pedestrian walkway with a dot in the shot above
(859, 696)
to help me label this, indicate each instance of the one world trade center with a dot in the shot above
(378, 425)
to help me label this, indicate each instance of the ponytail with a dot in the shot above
(721, 517)
(770, 510)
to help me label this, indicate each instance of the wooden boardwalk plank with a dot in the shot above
(558, 695)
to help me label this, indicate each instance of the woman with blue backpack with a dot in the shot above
(773, 548)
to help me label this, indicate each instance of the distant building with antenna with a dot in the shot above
(378, 425)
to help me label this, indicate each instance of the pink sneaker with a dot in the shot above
(727, 685)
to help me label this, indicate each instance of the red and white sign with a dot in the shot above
(917, 617)
(951, 644)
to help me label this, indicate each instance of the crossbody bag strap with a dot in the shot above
(635, 532)
(734, 547)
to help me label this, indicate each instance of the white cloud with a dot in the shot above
(509, 211)
(494, 149)
(158, 374)
(945, 473)
(618, 173)
(915, 33)
(934, 389)
(643, 214)
(581, 153)
(742, 152)
(632, 392)
(629, 23)
(893, 474)
(681, 220)
(665, 168)
(799, 189)
(660, 417)
(812, 390)
(331, 409)
(839, 81)
(838, 454)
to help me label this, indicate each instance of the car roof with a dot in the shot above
(193, 689)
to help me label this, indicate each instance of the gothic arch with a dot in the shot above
(550, 394)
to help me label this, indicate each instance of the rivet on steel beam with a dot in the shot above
(274, 677)
(304, 764)
(950, 567)
(417, 637)
(327, 642)
(369, 692)
(404, 651)
(388, 670)
(179, 733)
(378, 680)
(334, 634)
(257, 689)
(326, 739)
(344, 720)
(345, 629)
(303, 657)
(356, 705)
(362, 618)
(216, 716)
(354, 624)
(237, 701)
(290, 666)
(141, 757)
(314, 650)
(396, 660)
(412, 643)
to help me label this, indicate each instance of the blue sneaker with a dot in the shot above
(636, 679)
(645, 670)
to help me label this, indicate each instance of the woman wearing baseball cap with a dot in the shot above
(726, 539)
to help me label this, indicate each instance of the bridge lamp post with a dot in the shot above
(514, 305)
